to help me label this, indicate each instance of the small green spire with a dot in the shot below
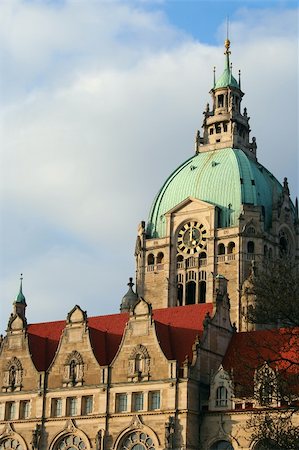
(20, 297)
(226, 78)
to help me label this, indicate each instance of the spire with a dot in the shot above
(20, 297)
(19, 305)
(227, 78)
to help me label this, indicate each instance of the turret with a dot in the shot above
(19, 305)
(130, 299)
(225, 125)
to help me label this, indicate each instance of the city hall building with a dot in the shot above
(179, 366)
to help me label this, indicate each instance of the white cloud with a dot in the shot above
(105, 108)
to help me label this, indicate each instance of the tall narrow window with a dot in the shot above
(250, 247)
(190, 293)
(202, 291)
(72, 406)
(121, 402)
(180, 295)
(154, 400)
(10, 411)
(24, 409)
(137, 401)
(56, 407)
(87, 404)
(221, 396)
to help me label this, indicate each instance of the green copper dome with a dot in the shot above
(226, 79)
(227, 178)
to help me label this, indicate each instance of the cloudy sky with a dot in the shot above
(100, 101)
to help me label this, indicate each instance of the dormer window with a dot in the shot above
(221, 396)
(265, 385)
(73, 370)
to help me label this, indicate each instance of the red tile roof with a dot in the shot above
(176, 328)
(249, 350)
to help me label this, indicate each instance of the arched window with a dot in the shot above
(265, 251)
(190, 293)
(180, 290)
(160, 258)
(11, 444)
(221, 396)
(221, 249)
(222, 445)
(265, 385)
(202, 291)
(137, 440)
(284, 247)
(180, 262)
(266, 444)
(250, 247)
(150, 260)
(202, 259)
(73, 370)
(72, 442)
(231, 247)
(251, 230)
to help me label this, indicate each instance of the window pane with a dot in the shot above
(137, 401)
(10, 410)
(221, 396)
(154, 400)
(87, 404)
(56, 407)
(121, 402)
(72, 406)
(24, 409)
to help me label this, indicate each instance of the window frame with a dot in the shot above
(10, 410)
(56, 411)
(87, 405)
(120, 405)
(154, 400)
(137, 401)
(24, 412)
(72, 406)
(221, 397)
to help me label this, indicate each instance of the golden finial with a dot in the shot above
(227, 41)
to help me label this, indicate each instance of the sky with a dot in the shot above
(100, 101)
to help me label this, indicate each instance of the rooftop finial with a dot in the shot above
(227, 41)
(21, 284)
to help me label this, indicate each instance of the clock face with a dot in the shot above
(192, 238)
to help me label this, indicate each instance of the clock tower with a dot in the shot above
(216, 214)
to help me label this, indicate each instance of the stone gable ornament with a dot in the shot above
(136, 422)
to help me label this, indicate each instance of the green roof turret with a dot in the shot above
(20, 297)
(227, 79)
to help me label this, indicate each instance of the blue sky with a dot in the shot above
(99, 103)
